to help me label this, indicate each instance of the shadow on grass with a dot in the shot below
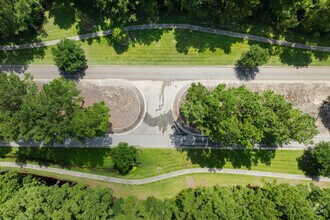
(324, 113)
(20, 57)
(202, 42)
(146, 37)
(64, 13)
(5, 151)
(307, 163)
(65, 158)
(295, 57)
(216, 158)
(245, 73)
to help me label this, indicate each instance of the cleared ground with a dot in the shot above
(123, 99)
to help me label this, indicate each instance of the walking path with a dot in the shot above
(163, 176)
(175, 26)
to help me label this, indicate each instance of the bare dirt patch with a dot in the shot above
(123, 102)
(190, 182)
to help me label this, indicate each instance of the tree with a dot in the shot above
(215, 12)
(120, 12)
(92, 121)
(35, 200)
(316, 18)
(238, 116)
(124, 157)
(12, 94)
(50, 115)
(119, 35)
(17, 16)
(69, 56)
(321, 156)
(253, 58)
(46, 116)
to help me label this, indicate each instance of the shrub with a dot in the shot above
(119, 35)
(253, 58)
(69, 56)
(124, 157)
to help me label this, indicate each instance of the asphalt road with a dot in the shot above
(180, 73)
(156, 129)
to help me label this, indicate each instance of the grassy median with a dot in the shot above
(152, 162)
(170, 47)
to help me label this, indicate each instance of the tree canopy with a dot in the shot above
(239, 116)
(316, 161)
(27, 197)
(69, 56)
(254, 57)
(124, 157)
(24, 197)
(17, 16)
(50, 115)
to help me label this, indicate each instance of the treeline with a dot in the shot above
(307, 16)
(25, 197)
(49, 115)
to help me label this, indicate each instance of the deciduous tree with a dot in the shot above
(69, 56)
(123, 157)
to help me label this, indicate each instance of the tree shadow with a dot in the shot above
(5, 151)
(295, 57)
(245, 73)
(119, 49)
(324, 113)
(321, 56)
(65, 158)
(146, 37)
(307, 163)
(64, 13)
(202, 42)
(218, 158)
(76, 76)
(162, 121)
(20, 57)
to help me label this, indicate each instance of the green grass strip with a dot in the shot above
(153, 162)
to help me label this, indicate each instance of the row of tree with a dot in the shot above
(50, 115)
(239, 116)
(308, 16)
(25, 197)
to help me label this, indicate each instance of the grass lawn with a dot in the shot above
(62, 21)
(170, 187)
(170, 47)
(154, 162)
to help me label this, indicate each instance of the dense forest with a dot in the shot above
(307, 16)
(27, 197)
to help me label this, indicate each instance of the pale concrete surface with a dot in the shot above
(163, 176)
(173, 26)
